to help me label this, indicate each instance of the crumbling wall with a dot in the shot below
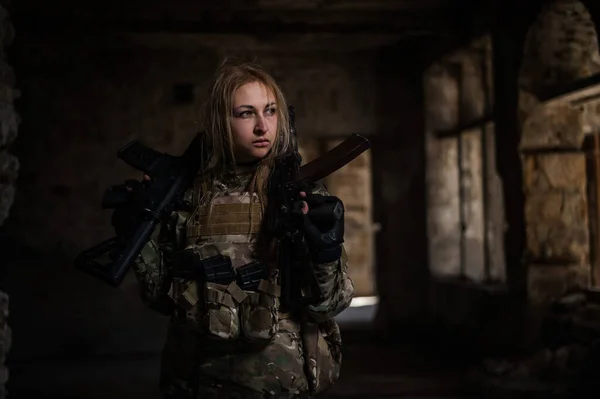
(9, 167)
(561, 47)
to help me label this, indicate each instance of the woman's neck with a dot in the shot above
(238, 176)
(254, 163)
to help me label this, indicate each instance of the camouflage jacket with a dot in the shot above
(208, 349)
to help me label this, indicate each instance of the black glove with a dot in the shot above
(125, 217)
(323, 227)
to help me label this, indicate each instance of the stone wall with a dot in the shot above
(561, 47)
(9, 168)
(9, 164)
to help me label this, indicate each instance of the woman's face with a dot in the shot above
(253, 122)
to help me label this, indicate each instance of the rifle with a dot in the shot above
(171, 176)
(299, 284)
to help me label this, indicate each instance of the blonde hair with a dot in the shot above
(216, 122)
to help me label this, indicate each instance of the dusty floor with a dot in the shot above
(373, 368)
(96, 319)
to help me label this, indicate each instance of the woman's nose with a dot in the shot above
(261, 125)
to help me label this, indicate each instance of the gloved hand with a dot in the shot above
(125, 217)
(323, 226)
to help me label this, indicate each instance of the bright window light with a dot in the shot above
(361, 301)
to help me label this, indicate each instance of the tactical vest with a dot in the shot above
(228, 227)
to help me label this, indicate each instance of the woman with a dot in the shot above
(227, 339)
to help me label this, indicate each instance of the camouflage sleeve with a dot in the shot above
(337, 289)
(154, 260)
(335, 283)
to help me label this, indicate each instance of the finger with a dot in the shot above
(304, 207)
(302, 194)
(146, 177)
(316, 199)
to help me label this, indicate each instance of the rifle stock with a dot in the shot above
(170, 178)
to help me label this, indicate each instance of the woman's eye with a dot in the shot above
(245, 114)
(270, 111)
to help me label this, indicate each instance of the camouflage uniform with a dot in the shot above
(226, 343)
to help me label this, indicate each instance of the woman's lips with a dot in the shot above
(262, 143)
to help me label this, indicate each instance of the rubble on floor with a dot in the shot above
(567, 363)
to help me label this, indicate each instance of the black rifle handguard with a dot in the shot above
(171, 176)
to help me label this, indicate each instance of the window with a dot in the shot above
(465, 212)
